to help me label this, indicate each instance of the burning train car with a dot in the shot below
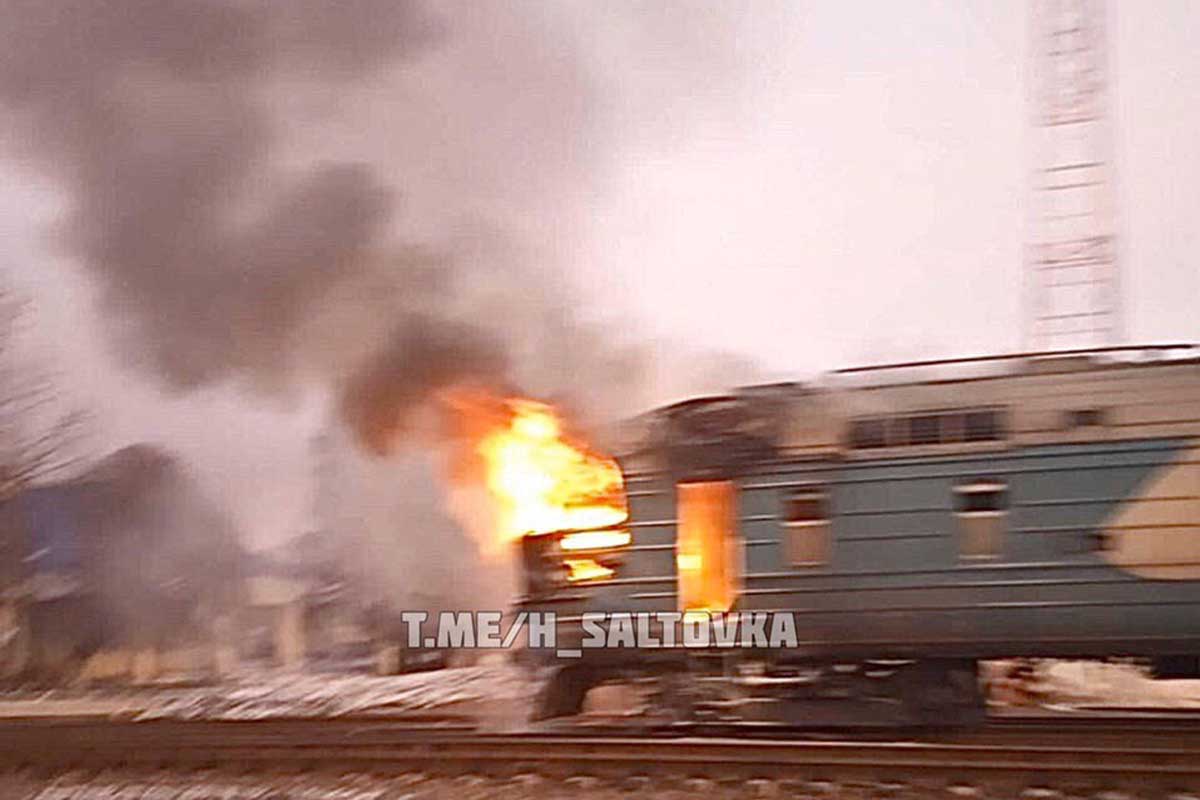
(913, 520)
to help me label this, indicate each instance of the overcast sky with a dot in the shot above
(796, 185)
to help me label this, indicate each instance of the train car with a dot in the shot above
(914, 519)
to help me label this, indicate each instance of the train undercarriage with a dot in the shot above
(719, 689)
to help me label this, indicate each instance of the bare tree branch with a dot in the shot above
(40, 434)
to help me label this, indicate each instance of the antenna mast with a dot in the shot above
(1073, 290)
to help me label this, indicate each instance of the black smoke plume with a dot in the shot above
(421, 356)
(155, 116)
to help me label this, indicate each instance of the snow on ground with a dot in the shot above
(1088, 683)
(492, 690)
(307, 695)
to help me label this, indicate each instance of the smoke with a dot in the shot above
(237, 171)
(421, 356)
(220, 255)
(153, 115)
(141, 500)
(362, 195)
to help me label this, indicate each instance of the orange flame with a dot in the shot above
(586, 569)
(540, 479)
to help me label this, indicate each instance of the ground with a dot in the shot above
(360, 786)
(497, 693)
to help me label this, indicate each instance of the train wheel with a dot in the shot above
(943, 692)
(563, 694)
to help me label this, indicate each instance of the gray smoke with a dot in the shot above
(421, 356)
(233, 171)
(170, 123)
(365, 195)
(153, 114)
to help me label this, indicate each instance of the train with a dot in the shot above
(914, 520)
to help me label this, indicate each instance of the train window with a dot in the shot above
(982, 508)
(806, 526)
(867, 433)
(1084, 418)
(953, 427)
(982, 426)
(981, 498)
(930, 427)
(925, 429)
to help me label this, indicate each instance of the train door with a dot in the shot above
(707, 546)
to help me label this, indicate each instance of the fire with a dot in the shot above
(705, 553)
(595, 540)
(542, 480)
(586, 569)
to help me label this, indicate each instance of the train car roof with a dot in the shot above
(1133, 383)
(946, 370)
(939, 370)
(1037, 362)
(1141, 353)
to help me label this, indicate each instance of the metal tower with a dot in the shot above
(1073, 296)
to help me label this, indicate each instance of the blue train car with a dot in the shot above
(912, 520)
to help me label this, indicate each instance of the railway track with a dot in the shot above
(1154, 762)
(1091, 727)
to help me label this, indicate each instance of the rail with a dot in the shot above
(1158, 765)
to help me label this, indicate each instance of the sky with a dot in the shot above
(744, 191)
